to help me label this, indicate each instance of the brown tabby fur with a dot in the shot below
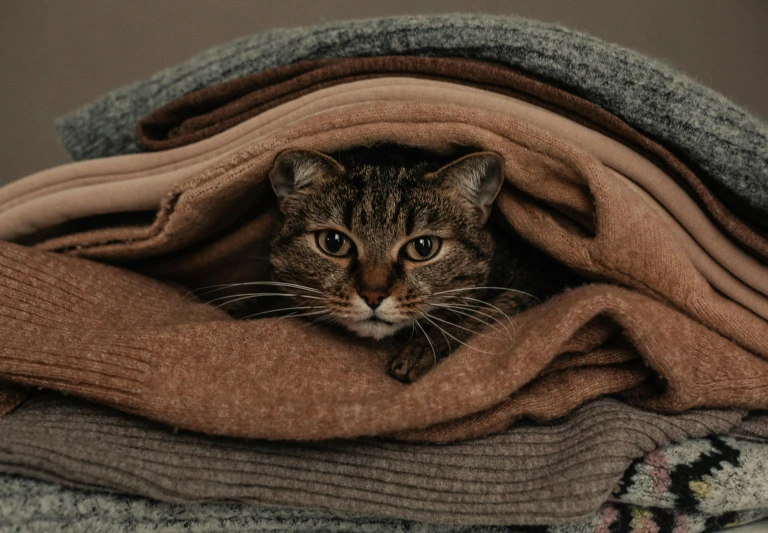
(382, 197)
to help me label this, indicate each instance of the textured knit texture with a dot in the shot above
(118, 338)
(704, 128)
(202, 114)
(713, 475)
(532, 474)
(138, 182)
(30, 506)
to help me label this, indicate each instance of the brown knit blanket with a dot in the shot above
(204, 113)
(651, 328)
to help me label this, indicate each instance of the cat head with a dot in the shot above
(376, 241)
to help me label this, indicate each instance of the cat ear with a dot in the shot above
(296, 170)
(476, 178)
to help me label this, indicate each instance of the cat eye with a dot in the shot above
(333, 242)
(422, 248)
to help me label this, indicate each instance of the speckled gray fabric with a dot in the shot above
(727, 145)
(28, 506)
(31, 506)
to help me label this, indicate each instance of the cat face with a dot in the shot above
(372, 244)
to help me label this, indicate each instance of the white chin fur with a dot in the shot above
(375, 330)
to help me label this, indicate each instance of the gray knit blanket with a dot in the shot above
(721, 141)
(700, 485)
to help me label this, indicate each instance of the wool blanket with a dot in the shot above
(529, 474)
(121, 338)
(713, 135)
(710, 483)
(68, 195)
(202, 114)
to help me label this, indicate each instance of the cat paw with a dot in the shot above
(414, 361)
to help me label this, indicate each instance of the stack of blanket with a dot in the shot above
(649, 184)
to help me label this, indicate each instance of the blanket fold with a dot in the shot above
(67, 192)
(531, 474)
(39, 507)
(209, 111)
(698, 485)
(707, 350)
(41, 200)
(710, 133)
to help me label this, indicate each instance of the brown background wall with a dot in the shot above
(57, 55)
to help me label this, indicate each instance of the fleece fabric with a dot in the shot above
(123, 339)
(531, 474)
(204, 113)
(723, 141)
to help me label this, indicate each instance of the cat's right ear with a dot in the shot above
(295, 171)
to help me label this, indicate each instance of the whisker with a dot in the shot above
(268, 283)
(486, 304)
(457, 308)
(511, 322)
(430, 317)
(434, 353)
(476, 309)
(452, 324)
(491, 288)
(294, 315)
(238, 297)
(316, 322)
(283, 309)
(214, 288)
(489, 305)
(442, 331)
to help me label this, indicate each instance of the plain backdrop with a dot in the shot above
(56, 55)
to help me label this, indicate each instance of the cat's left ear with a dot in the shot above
(475, 178)
(296, 171)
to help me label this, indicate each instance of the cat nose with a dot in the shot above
(372, 296)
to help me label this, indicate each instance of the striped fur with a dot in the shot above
(381, 198)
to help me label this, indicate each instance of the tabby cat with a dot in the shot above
(391, 239)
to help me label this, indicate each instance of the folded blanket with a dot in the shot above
(202, 114)
(706, 130)
(99, 332)
(547, 474)
(37, 506)
(67, 194)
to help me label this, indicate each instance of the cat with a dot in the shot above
(386, 239)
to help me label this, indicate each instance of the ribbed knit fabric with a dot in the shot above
(527, 475)
(701, 126)
(121, 339)
(754, 427)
